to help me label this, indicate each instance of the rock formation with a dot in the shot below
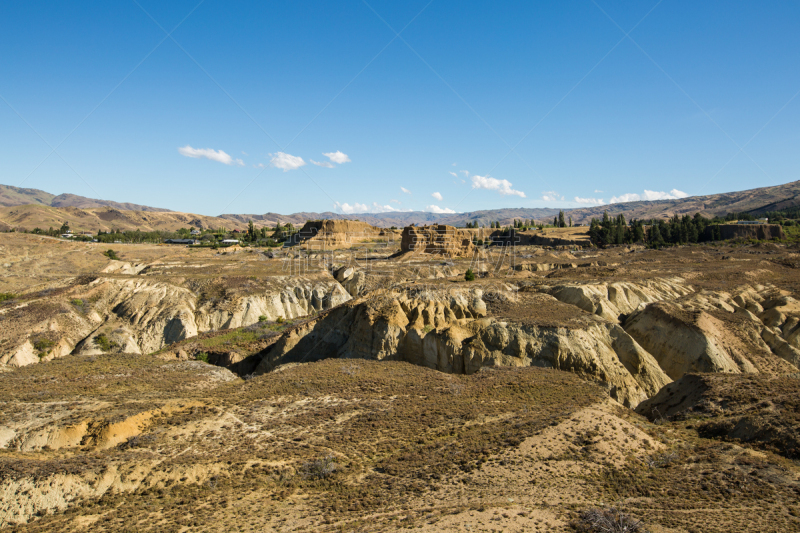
(439, 239)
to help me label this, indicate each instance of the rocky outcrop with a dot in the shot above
(448, 331)
(617, 299)
(439, 239)
(752, 332)
(751, 231)
(142, 316)
(333, 234)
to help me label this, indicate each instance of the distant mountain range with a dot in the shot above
(30, 208)
(13, 196)
(753, 201)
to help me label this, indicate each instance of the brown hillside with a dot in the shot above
(28, 217)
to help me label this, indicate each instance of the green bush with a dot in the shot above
(470, 275)
(262, 318)
(201, 356)
(104, 343)
(111, 254)
(77, 302)
(6, 296)
(279, 320)
(43, 345)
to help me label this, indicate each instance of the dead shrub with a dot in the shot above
(319, 468)
(607, 520)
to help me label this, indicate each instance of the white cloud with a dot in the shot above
(405, 190)
(465, 172)
(455, 164)
(598, 191)
(356, 207)
(437, 195)
(453, 174)
(437, 209)
(590, 201)
(209, 153)
(325, 164)
(349, 209)
(378, 208)
(552, 196)
(649, 196)
(394, 201)
(260, 165)
(337, 157)
(501, 186)
(286, 161)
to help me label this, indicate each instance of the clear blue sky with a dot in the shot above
(188, 124)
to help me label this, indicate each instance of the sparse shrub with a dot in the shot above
(661, 460)
(111, 254)
(279, 320)
(427, 329)
(6, 296)
(262, 318)
(136, 441)
(470, 275)
(319, 468)
(43, 345)
(201, 356)
(608, 520)
(658, 419)
(77, 302)
(456, 388)
(350, 370)
(104, 343)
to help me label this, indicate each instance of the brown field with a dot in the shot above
(226, 390)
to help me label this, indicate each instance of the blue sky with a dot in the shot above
(476, 105)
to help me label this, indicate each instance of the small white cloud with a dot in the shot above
(454, 164)
(286, 161)
(349, 209)
(648, 196)
(394, 201)
(598, 191)
(465, 172)
(590, 201)
(337, 157)
(437, 209)
(405, 190)
(209, 153)
(552, 196)
(326, 164)
(501, 186)
(437, 195)
(378, 208)
(453, 174)
(260, 165)
(356, 207)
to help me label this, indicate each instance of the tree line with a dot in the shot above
(677, 230)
